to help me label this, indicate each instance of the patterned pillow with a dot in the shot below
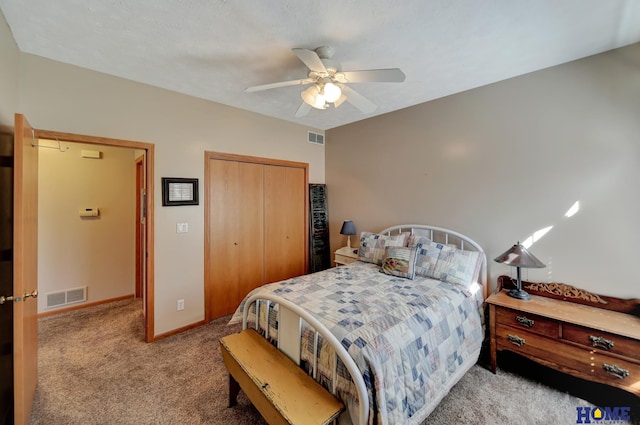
(428, 253)
(372, 246)
(445, 262)
(458, 266)
(399, 261)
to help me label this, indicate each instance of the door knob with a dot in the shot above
(32, 294)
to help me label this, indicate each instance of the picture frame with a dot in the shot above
(178, 191)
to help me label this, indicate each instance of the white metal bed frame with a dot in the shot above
(291, 316)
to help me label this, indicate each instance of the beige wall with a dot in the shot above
(73, 251)
(9, 70)
(60, 97)
(503, 161)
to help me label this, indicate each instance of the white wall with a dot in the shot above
(60, 97)
(73, 251)
(503, 161)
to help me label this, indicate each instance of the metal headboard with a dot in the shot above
(447, 237)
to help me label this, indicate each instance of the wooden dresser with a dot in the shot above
(580, 340)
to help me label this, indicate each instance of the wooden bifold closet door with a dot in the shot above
(257, 225)
(285, 221)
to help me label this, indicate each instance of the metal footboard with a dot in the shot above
(290, 317)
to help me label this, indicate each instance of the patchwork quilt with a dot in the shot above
(411, 339)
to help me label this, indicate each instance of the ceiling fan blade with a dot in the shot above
(280, 84)
(391, 75)
(358, 100)
(310, 59)
(303, 110)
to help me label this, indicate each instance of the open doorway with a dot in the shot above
(139, 157)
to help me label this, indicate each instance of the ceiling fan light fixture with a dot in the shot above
(331, 92)
(312, 97)
(320, 102)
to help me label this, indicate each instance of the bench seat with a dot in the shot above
(281, 391)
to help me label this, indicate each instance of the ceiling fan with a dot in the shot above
(329, 82)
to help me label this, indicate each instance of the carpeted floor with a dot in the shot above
(94, 368)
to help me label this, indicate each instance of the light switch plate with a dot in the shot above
(182, 227)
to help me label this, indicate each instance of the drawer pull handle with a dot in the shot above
(616, 371)
(524, 321)
(516, 340)
(600, 342)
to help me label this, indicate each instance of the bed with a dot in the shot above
(388, 335)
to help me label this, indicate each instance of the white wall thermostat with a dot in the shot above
(89, 212)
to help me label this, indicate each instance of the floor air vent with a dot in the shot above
(70, 296)
(315, 138)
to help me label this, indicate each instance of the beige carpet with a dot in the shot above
(94, 368)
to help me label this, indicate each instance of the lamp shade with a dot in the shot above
(348, 228)
(519, 256)
(331, 92)
(312, 97)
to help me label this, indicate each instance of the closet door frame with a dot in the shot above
(209, 155)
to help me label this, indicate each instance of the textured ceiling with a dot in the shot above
(215, 49)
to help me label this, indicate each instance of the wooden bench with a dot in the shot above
(281, 391)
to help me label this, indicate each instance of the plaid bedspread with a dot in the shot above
(409, 338)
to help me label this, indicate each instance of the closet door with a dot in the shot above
(236, 230)
(285, 222)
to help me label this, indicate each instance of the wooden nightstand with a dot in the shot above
(580, 340)
(345, 255)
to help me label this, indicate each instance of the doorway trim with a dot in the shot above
(141, 217)
(149, 222)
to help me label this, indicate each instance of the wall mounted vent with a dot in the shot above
(315, 138)
(70, 296)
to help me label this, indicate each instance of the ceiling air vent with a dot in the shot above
(315, 138)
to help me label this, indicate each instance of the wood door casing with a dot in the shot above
(149, 232)
(25, 278)
(235, 233)
(140, 228)
(285, 207)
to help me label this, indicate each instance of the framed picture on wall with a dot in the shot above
(179, 191)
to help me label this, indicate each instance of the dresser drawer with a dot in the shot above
(613, 371)
(343, 259)
(574, 360)
(530, 322)
(602, 341)
(546, 350)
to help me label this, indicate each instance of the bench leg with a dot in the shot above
(234, 389)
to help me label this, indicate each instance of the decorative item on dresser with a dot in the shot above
(518, 256)
(585, 335)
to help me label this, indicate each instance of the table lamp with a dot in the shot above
(348, 229)
(518, 256)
